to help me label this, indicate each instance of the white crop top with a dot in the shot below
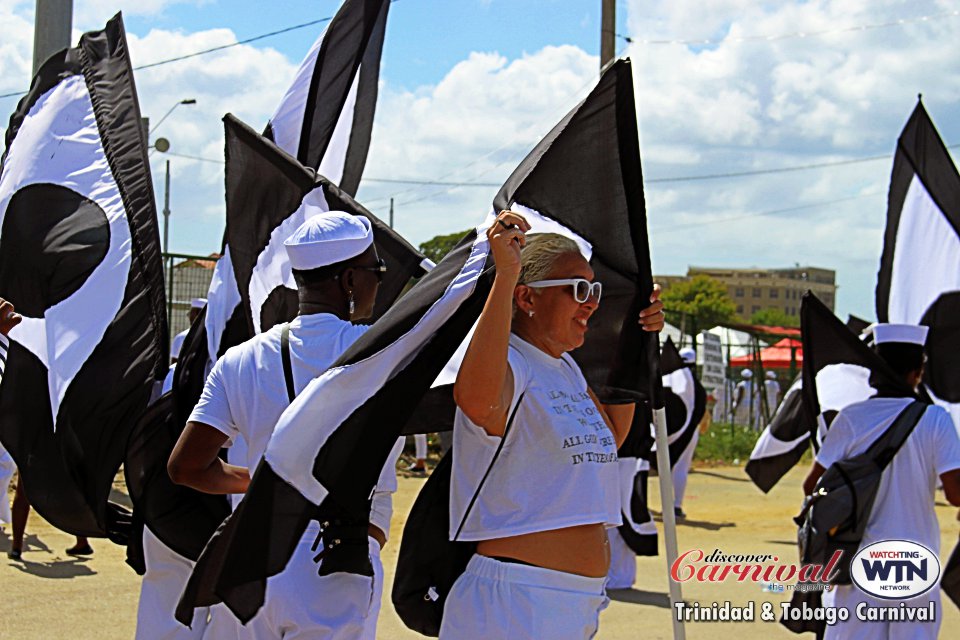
(558, 465)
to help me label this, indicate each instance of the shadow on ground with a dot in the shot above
(721, 476)
(635, 596)
(696, 524)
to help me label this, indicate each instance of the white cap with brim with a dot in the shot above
(746, 374)
(771, 375)
(901, 333)
(688, 355)
(198, 303)
(328, 238)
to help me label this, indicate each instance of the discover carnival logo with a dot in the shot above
(895, 569)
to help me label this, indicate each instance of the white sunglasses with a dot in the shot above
(583, 289)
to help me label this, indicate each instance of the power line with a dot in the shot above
(796, 34)
(690, 178)
(211, 49)
(233, 44)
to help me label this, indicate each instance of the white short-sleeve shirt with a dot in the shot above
(904, 505)
(246, 392)
(558, 467)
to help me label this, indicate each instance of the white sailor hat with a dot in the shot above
(688, 355)
(328, 238)
(746, 374)
(884, 333)
(198, 303)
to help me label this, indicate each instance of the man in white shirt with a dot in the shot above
(903, 509)
(745, 405)
(338, 273)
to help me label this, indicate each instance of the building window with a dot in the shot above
(738, 293)
(756, 292)
(774, 293)
(754, 309)
(740, 308)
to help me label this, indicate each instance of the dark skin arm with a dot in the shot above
(951, 486)
(811, 480)
(194, 462)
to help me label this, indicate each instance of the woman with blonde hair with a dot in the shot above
(540, 519)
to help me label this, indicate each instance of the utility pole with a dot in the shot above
(391, 213)
(608, 33)
(51, 29)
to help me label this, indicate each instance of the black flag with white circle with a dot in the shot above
(80, 260)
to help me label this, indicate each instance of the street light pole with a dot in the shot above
(166, 210)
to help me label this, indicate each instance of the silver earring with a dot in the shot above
(351, 303)
(530, 313)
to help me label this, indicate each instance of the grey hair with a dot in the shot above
(541, 252)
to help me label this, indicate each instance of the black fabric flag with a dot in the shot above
(80, 260)
(265, 188)
(918, 281)
(685, 401)
(324, 120)
(783, 442)
(838, 370)
(638, 529)
(328, 449)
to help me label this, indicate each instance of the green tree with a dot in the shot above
(771, 317)
(698, 304)
(438, 246)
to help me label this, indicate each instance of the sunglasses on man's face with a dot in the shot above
(379, 270)
(583, 289)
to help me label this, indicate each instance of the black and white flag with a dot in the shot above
(638, 529)
(329, 447)
(324, 120)
(919, 277)
(838, 370)
(685, 401)
(783, 441)
(80, 260)
(265, 188)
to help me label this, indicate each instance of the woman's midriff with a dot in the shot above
(582, 550)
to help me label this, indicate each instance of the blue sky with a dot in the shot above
(469, 86)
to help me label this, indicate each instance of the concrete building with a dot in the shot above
(754, 289)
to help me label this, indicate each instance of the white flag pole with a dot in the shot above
(669, 517)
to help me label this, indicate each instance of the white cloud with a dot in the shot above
(747, 105)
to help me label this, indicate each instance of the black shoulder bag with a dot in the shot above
(835, 515)
(429, 562)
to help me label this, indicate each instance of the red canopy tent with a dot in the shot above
(777, 356)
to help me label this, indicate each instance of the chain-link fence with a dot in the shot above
(187, 277)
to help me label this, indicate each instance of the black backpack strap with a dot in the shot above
(287, 364)
(506, 430)
(887, 445)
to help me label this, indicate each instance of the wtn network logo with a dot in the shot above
(895, 569)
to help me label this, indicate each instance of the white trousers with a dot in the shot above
(496, 600)
(682, 468)
(420, 444)
(160, 589)
(849, 596)
(7, 467)
(623, 563)
(302, 604)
